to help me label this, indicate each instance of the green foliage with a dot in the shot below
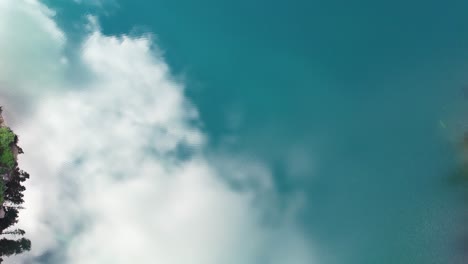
(12, 247)
(10, 219)
(7, 137)
(11, 191)
(14, 191)
(7, 159)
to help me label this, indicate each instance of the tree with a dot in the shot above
(16, 232)
(11, 179)
(8, 205)
(7, 138)
(14, 192)
(12, 247)
(11, 218)
(14, 188)
(22, 175)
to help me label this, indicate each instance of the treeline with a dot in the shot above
(12, 240)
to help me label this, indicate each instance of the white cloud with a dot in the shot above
(31, 46)
(108, 184)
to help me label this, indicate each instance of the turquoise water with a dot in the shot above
(357, 89)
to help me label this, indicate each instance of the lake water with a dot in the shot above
(359, 106)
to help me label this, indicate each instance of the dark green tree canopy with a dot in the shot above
(11, 194)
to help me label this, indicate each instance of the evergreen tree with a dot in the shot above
(14, 188)
(16, 232)
(10, 247)
(11, 218)
(22, 175)
(12, 194)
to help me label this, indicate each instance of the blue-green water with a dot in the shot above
(357, 89)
